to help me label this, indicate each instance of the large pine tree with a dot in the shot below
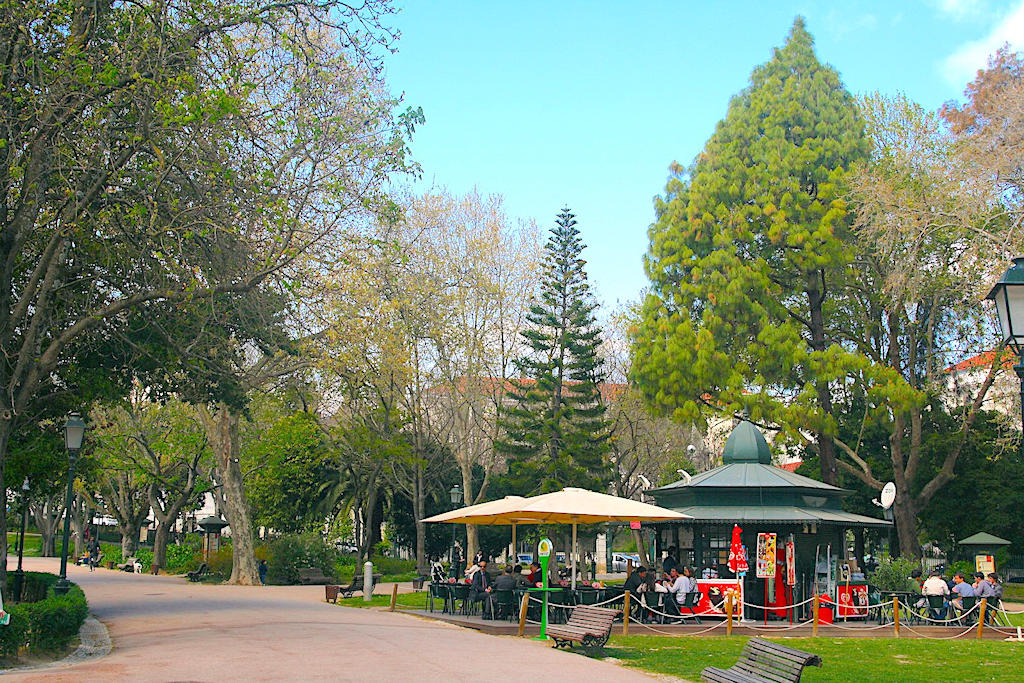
(555, 431)
(747, 243)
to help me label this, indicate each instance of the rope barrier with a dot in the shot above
(667, 633)
(969, 629)
(801, 624)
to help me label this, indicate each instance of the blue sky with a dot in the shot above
(585, 104)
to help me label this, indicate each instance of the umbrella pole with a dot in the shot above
(515, 550)
(574, 557)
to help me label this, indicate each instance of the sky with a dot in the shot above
(586, 104)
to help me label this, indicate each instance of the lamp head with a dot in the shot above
(74, 432)
(456, 494)
(1008, 295)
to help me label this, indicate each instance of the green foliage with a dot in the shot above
(220, 562)
(894, 575)
(288, 553)
(295, 466)
(556, 433)
(184, 557)
(111, 553)
(47, 623)
(746, 243)
(965, 567)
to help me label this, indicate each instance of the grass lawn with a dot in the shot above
(33, 542)
(850, 659)
(1013, 591)
(405, 600)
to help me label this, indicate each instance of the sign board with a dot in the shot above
(742, 565)
(853, 600)
(790, 563)
(544, 547)
(634, 525)
(765, 556)
(984, 563)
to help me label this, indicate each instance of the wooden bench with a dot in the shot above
(763, 661)
(332, 592)
(194, 576)
(313, 576)
(588, 625)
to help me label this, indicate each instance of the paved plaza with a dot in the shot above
(166, 629)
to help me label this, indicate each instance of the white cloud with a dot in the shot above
(960, 67)
(960, 9)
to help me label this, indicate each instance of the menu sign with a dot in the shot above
(766, 556)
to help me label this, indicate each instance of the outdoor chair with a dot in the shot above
(964, 615)
(437, 591)
(558, 615)
(691, 600)
(936, 606)
(588, 596)
(504, 602)
(460, 591)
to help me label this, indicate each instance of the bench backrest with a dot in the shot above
(781, 663)
(594, 619)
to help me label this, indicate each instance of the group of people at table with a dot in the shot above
(953, 592)
(651, 591)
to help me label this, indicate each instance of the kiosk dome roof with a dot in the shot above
(746, 444)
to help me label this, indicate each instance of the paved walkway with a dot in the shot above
(166, 629)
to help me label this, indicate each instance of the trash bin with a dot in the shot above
(825, 609)
(417, 583)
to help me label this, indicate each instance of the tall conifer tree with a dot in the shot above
(746, 246)
(556, 434)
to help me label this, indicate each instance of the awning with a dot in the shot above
(729, 514)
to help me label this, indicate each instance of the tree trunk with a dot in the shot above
(5, 433)
(826, 449)
(222, 431)
(129, 539)
(906, 526)
(160, 545)
(46, 522)
(419, 510)
(641, 547)
(79, 521)
(472, 539)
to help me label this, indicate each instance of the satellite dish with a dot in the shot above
(888, 495)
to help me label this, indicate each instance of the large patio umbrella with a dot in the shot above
(578, 506)
(493, 512)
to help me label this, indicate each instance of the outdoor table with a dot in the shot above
(907, 600)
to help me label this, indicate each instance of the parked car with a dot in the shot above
(524, 558)
(619, 561)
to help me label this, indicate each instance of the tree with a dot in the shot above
(290, 463)
(555, 430)
(744, 251)
(135, 133)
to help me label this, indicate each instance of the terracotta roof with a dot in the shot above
(982, 360)
(791, 466)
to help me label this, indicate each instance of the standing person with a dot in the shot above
(670, 562)
(457, 560)
(592, 565)
(94, 554)
(262, 569)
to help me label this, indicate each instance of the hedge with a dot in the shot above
(45, 625)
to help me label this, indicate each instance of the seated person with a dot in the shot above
(506, 581)
(437, 573)
(982, 588)
(536, 575)
(934, 585)
(521, 579)
(637, 581)
(962, 590)
(480, 587)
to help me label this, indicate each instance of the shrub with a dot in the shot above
(55, 621)
(220, 562)
(183, 558)
(48, 624)
(964, 567)
(14, 636)
(894, 575)
(392, 565)
(145, 558)
(111, 552)
(288, 553)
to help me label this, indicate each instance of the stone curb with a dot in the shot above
(94, 642)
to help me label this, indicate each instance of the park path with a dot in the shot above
(166, 629)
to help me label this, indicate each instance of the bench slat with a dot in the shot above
(762, 660)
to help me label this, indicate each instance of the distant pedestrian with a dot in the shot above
(592, 563)
(262, 569)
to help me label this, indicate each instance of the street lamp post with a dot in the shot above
(74, 433)
(19, 573)
(456, 497)
(1008, 294)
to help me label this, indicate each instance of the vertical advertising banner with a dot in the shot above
(790, 563)
(765, 556)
